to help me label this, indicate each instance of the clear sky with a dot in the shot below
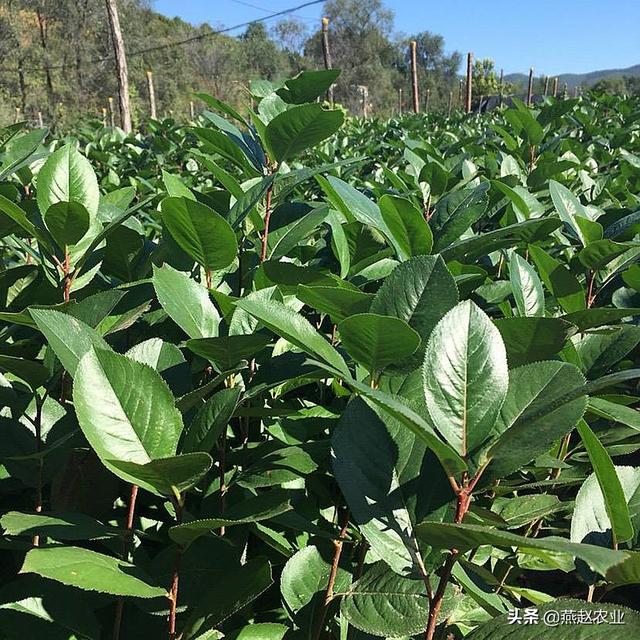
(554, 36)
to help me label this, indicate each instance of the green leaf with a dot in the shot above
(210, 420)
(600, 350)
(596, 317)
(164, 476)
(67, 222)
(18, 216)
(407, 226)
(562, 284)
(200, 232)
(90, 571)
(307, 85)
(300, 128)
(337, 302)
(465, 376)
(615, 412)
(293, 327)
(613, 497)
(126, 412)
(535, 414)
(224, 352)
(69, 337)
(229, 595)
(67, 176)
(256, 509)
(398, 409)
(33, 373)
(569, 209)
(468, 536)
(525, 232)
(503, 628)
(419, 291)
(456, 212)
(600, 253)
(526, 287)
(156, 353)
(532, 339)
(186, 302)
(379, 467)
(304, 584)
(31, 606)
(385, 604)
(59, 526)
(175, 187)
(376, 341)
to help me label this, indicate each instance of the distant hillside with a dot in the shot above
(578, 79)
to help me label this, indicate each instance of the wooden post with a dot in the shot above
(192, 110)
(112, 117)
(364, 97)
(501, 87)
(555, 87)
(480, 104)
(152, 94)
(326, 54)
(40, 122)
(121, 65)
(414, 78)
(546, 86)
(104, 116)
(18, 112)
(399, 101)
(565, 90)
(460, 90)
(469, 81)
(426, 101)
(530, 87)
(450, 104)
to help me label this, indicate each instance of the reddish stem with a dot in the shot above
(173, 592)
(126, 541)
(464, 491)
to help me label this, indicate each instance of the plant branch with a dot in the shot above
(173, 591)
(267, 219)
(332, 576)
(126, 541)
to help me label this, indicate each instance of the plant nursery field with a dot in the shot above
(285, 374)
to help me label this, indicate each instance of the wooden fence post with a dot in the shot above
(104, 116)
(530, 87)
(460, 91)
(121, 65)
(364, 95)
(501, 87)
(152, 94)
(426, 101)
(326, 54)
(112, 117)
(565, 91)
(555, 87)
(450, 104)
(469, 81)
(192, 110)
(399, 101)
(546, 86)
(414, 78)
(40, 122)
(18, 112)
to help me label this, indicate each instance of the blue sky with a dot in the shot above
(554, 36)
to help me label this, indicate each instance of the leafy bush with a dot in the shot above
(278, 377)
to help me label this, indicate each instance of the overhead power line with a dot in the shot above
(168, 45)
